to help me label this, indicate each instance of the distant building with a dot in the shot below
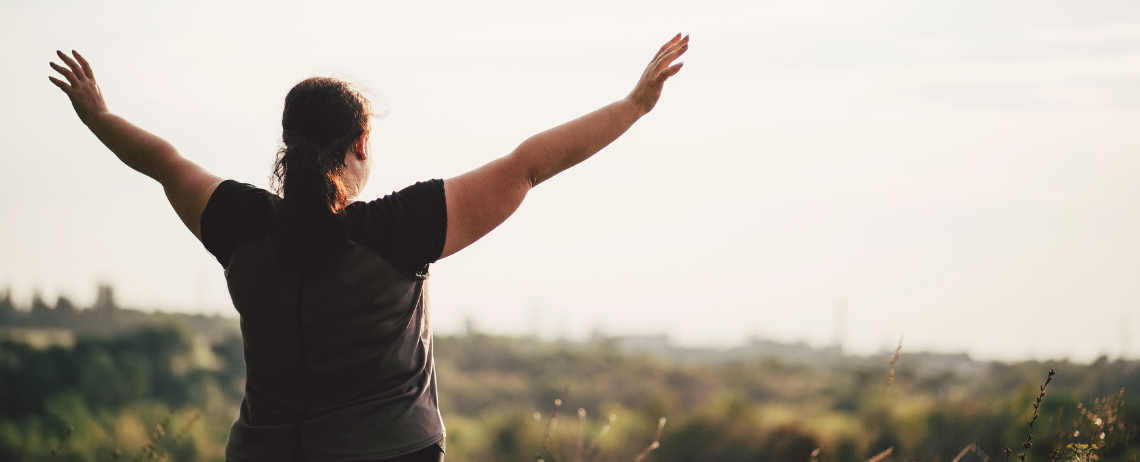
(105, 300)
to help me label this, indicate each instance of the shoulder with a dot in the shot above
(407, 227)
(236, 212)
(422, 194)
(237, 201)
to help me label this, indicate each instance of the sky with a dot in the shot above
(960, 174)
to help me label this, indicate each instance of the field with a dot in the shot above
(163, 393)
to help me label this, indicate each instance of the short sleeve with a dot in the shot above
(235, 213)
(408, 228)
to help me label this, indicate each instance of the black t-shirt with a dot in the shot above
(358, 330)
(407, 228)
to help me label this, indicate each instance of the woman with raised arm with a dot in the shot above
(331, 290)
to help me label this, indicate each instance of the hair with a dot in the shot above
(323, 117)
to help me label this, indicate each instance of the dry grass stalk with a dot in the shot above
(581, 434)
(150, 449)
(157, 452)
(62, 440)
(605, 429)
(187, 426)
(890, 375)
(877, 417)
(551, 425)
(882, 455)
(655, 444)
(550, 441)
(556, 451)
(971, 447)
(1036, 406)
(963, 452)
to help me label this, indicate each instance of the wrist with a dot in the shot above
(638, 108)
(92, 117)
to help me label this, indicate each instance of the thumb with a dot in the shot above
(669, 72)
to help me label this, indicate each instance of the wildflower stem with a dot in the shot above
(1036, 406)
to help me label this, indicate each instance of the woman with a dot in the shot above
(330, 290)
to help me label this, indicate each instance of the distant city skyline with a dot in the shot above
(962, 174)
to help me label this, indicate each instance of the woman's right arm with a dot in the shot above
(188, 186)
(482, 199)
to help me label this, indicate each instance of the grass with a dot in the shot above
(593, 452)
(1098, 429)
(1102, 425)
(156, 447)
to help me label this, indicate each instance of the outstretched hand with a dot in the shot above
(648, 89)
(80, 86)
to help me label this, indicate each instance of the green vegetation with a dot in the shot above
(158, 394)
(113, 392)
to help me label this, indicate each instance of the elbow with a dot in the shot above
(166, 165)
(525, 167)
(528, 163)
(533, 179)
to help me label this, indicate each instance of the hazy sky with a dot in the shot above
(962, 173)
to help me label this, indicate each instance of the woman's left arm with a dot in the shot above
(187, 185)
(480, 200)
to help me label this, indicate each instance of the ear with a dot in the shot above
(358, 146)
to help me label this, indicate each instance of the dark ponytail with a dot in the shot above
(323, 117)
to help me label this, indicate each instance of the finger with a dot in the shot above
(665, 74)
(72, 64)
(83, 62)
(61, 85)
(667, 45)
(667, 59)
(66, 73)
(667, 68)
(672, 43)
(681, 45)
(676, 42)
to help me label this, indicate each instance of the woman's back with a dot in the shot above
(338, 349)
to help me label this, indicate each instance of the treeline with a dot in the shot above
(498, 395)
(104, 318)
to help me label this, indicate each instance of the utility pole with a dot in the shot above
(839, 321)
(1123, 337)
